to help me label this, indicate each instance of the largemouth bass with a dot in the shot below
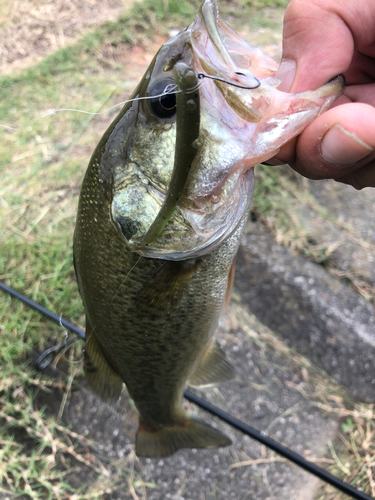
(153, 297)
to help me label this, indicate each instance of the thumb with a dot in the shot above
(317, 44)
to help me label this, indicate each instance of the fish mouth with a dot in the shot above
(223, 66)
(236, 67)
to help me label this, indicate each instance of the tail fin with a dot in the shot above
(167, 440)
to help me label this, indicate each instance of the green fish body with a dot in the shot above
(152, 304)
(149, 322)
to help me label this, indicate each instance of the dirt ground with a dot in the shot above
(31, 29)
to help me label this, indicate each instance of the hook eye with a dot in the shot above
(46, 358)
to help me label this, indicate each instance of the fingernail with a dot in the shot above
(343, 148)
(286, 73)
(274, 162)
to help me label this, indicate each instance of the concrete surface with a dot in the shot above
(313, 311)
(350, 230)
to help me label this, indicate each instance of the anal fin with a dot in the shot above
(214, 368)
(100, 375)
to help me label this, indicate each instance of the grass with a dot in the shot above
(40, 457)
(42, 165)
(354, 454)
(33, 441)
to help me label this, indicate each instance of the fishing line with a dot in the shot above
(205, 405)
(64, 347)
(55, 111)
(42, 310)
(126, 277)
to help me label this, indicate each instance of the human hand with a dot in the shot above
(321, 39)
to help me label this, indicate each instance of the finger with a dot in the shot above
(320, 37)
(361, 93)
(337, 143)
(361, 178)
(307, 27)
(361, 70)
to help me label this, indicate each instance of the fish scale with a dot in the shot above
(154, 256)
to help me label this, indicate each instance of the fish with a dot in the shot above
(162, 210)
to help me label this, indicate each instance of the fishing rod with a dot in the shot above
(47, 356)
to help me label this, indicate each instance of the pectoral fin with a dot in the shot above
(164, 288)
(228, 292)
(101, 377)
(214, 368)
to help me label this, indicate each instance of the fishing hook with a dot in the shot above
(203, 75)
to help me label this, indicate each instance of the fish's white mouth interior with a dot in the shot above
(217, 57)
(211, 20)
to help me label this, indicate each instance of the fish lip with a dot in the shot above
(338, 77)
(336, 85)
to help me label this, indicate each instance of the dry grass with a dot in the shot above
(42, 458)
(354, 454)
(37, 453)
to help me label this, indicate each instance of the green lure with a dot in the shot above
(187, 131)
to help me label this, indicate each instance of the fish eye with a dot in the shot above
(163, 98)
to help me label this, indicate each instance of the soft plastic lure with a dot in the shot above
(187, 131)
